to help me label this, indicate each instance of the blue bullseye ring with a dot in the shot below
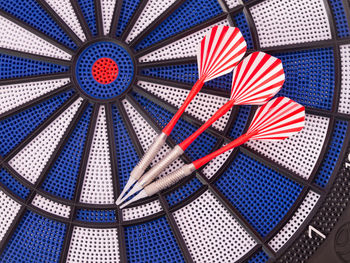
(87, 82)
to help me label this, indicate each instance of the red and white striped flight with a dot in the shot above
(257, 79)
(219, 51)
(277, 120)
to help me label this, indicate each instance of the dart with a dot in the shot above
(256, 79)
(276, 120)
(218, 53)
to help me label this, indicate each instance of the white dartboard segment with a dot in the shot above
(14, 95)
(344, 105)
(142, 211)
(51, 207)
(98, 245)
(146, 134)
(300, 152)
(9, 208)
(210, 232)
(14, 37)
(290, 22)
(64, 9)
(98, 185)
(107, 8)
(32, 159)
(184, 47)
(202, 107)
(152, 10)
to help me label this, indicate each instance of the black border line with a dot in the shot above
(41, 127)
(168, 215)
(60, 146)
(116, 184)
(98, 17)
(115, 18)
(35, 78)
(36, 32)
(35, 101)
(32, 56)
(178, 36)
(60, 22)
(132, 20)
(81, 19)
(156, 22)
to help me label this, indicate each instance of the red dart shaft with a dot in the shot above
(195, 89)
(237, 142)
(220, 112)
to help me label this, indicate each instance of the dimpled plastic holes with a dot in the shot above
(92, 76)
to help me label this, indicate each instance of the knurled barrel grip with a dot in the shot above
(170, 179)
(149, 155)
(157, 169)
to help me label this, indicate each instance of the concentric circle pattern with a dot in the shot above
(104, 70)
(86, 85)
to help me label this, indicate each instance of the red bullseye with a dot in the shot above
(105, 70)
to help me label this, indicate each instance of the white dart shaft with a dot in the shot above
(156, 170)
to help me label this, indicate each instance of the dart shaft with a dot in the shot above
(195, 89)
(218, 114)
(237, 142)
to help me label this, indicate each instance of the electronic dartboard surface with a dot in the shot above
(87, 84)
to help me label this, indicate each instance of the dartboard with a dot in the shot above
(86, 85)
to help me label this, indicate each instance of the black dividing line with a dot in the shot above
(41, 127)
(175, 230)
(325, 148)
(185, 86)
(61, 144)
(278, 168)
(185, 116)
(80, 181)
(36, 32)
(133, 19)
(115, 18)
(60, 22)
(27, 79)
(253, 2)
(156, 22)
(288, 216)
(340, 161)
(223, 5)
(98, 16)
(81, 19)
(255, 235)
(86, 154)
(249, 255)
(35, 101)
(180, 35)
(346, 5)
(330, 19)
(162, 200)
(252, 28)
(116, 183)
(33, 56)
(326, 113)
(168, 62)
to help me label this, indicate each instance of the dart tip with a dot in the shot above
(139, 196)
(137, 187)
(128, 185)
